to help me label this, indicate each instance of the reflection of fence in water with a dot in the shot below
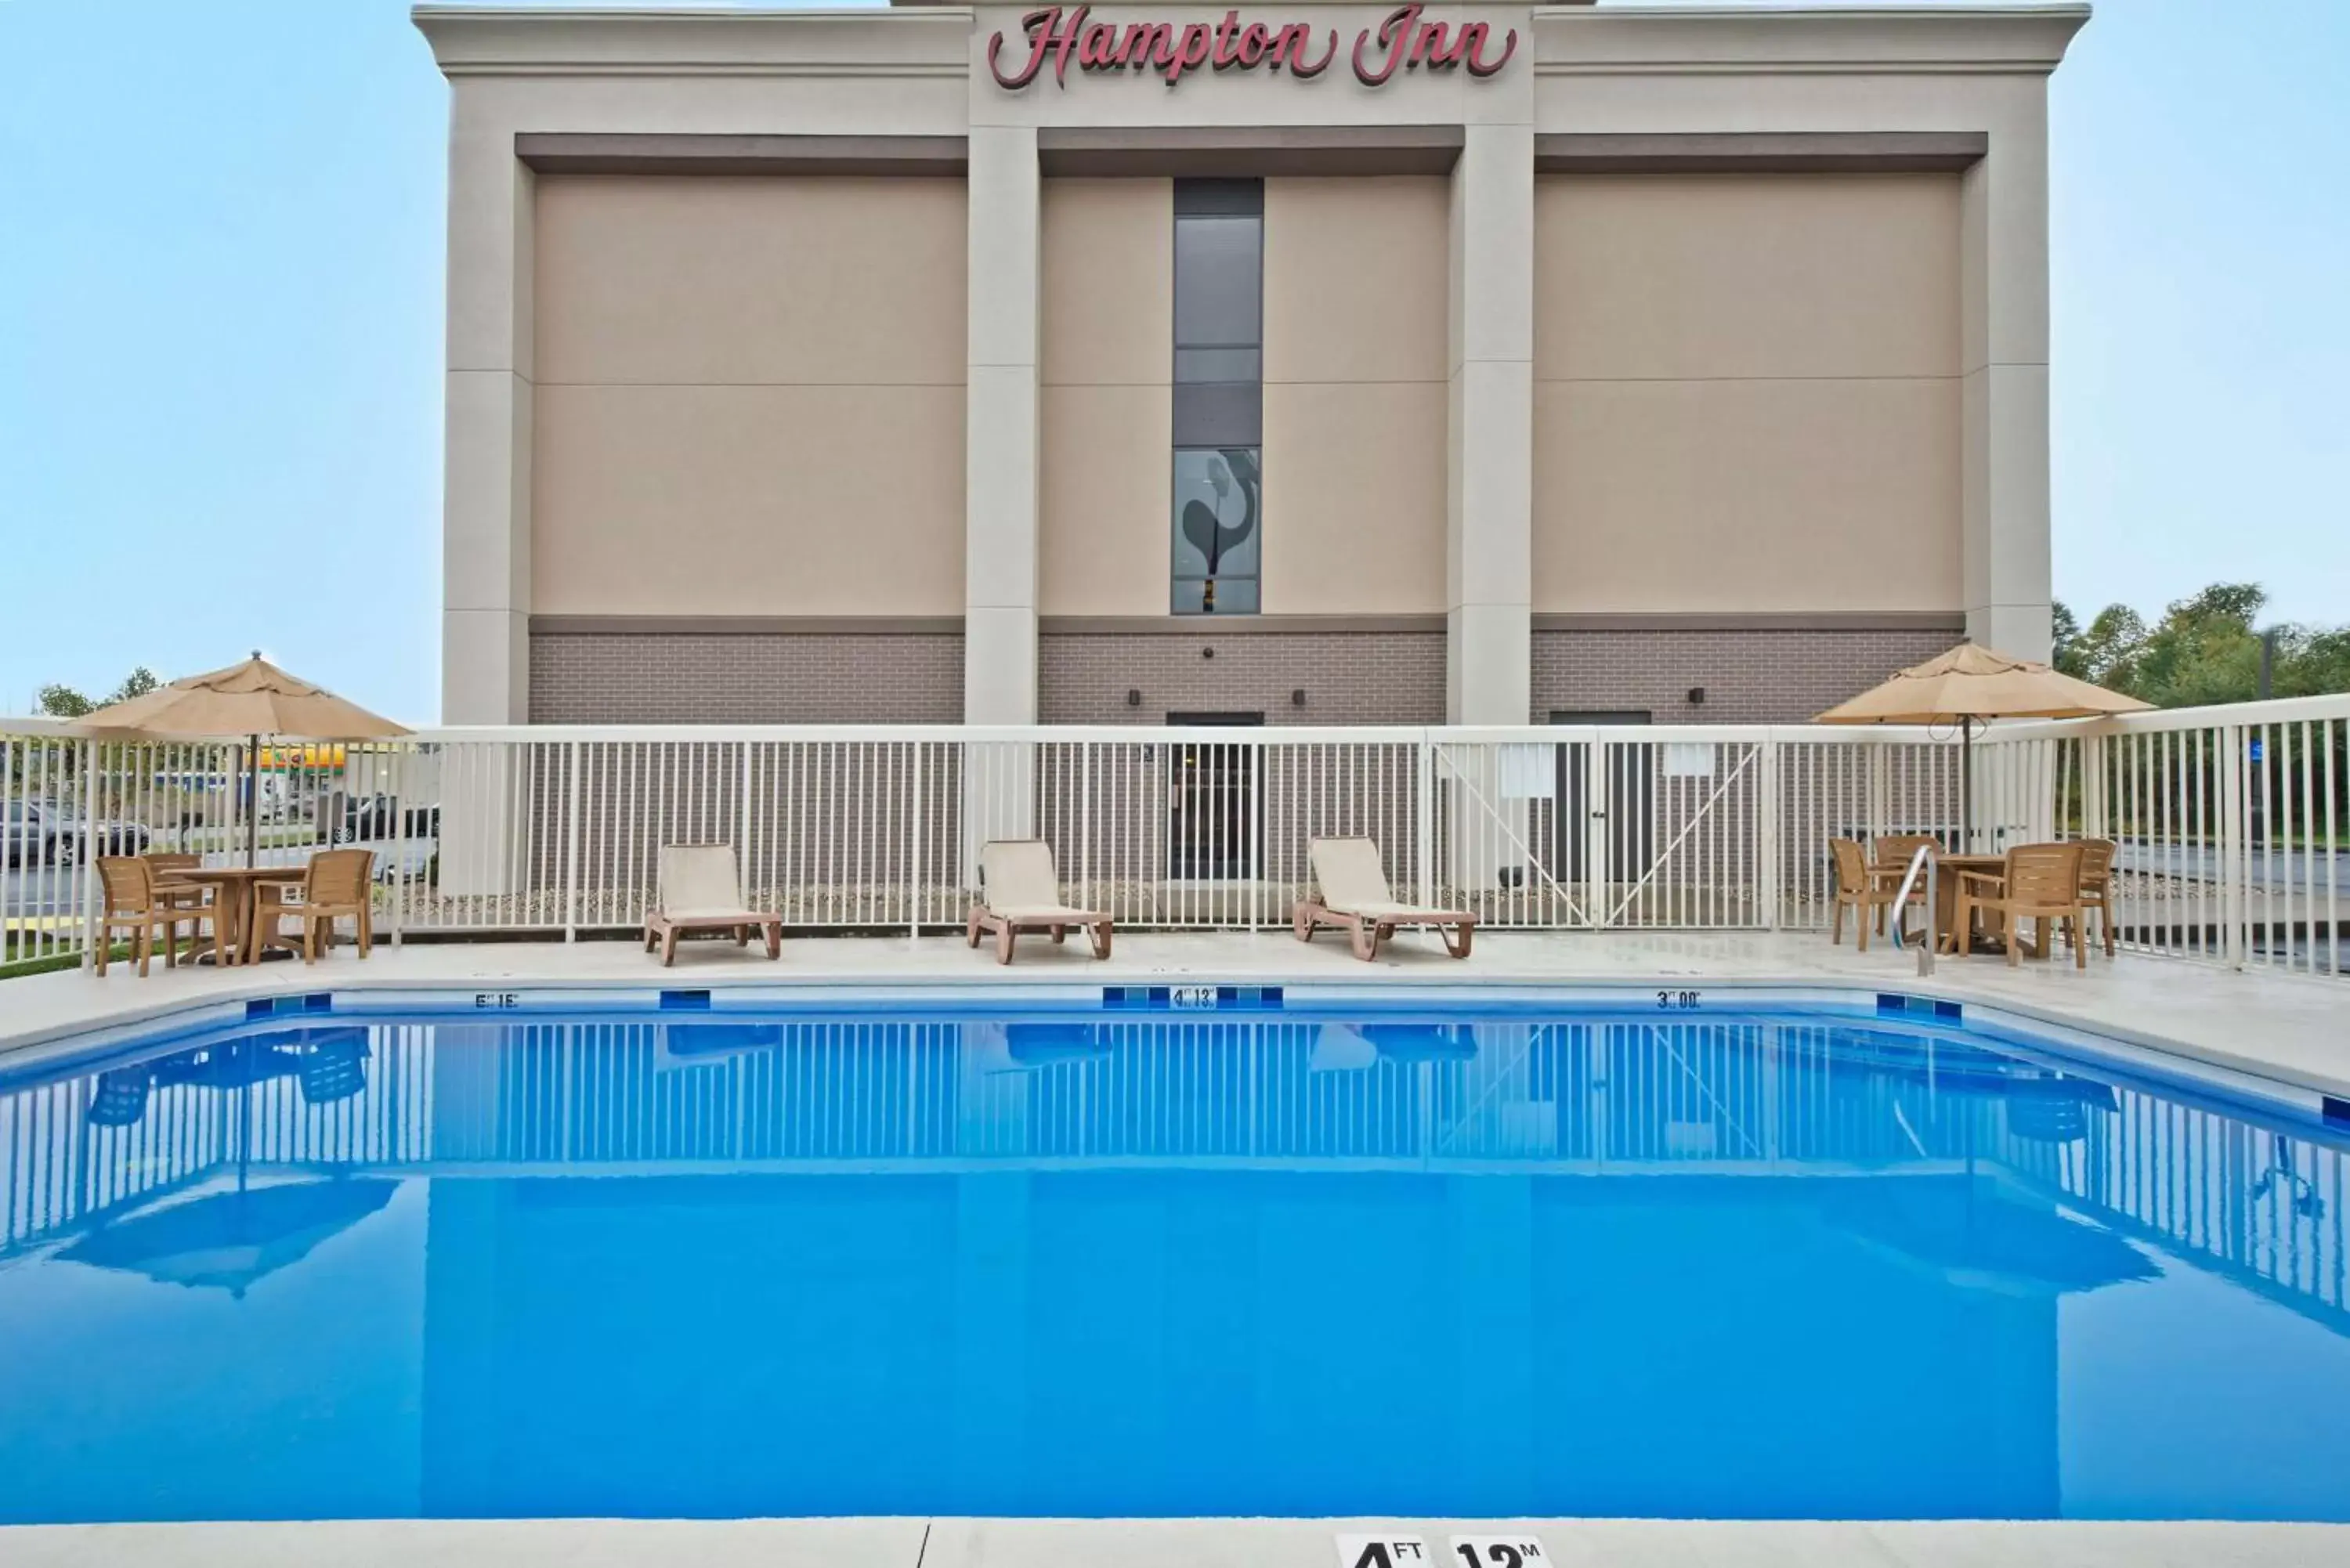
(1752, 1096)
(2251, 1200)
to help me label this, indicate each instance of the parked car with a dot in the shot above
(367, 817)
(32, 834)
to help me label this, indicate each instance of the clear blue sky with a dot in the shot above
(220, 329)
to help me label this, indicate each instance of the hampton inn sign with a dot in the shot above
(1401, 42)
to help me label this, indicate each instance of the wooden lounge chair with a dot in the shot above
(2098, 886)
(132, 899)
(1865, 889)
(337, 888)
(1356, 898)
(702, 890)
(1020, 890)
(2039, 882)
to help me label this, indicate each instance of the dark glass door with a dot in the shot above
(1215, 814)
(1628, 807)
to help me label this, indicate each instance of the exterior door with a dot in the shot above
(1606, 817)
(1215, 826)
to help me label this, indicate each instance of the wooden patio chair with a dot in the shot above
(127, 885)
(1354, 895)
(2038, 882)
(702, 890)
(1020, 890)
(338, 886)
(162, 863)
(1861, 888)
(1890, 854)
(2097, 885)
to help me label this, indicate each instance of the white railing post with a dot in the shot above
(914, 828)
(1595, 828)
(92, 931)
(2092, 772)
(2228, 853)
(1879, 788)
(1424, 813)
(1766, 836)
(743, 857)
(571, 845)
(402, 850)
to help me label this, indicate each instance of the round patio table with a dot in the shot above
(238, 935)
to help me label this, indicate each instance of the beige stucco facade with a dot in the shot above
(1747, 393)
(1716, 315)
(1107, 268)
(1354, 371)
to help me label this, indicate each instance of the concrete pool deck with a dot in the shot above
(2284, 1029)
(1159, 1544)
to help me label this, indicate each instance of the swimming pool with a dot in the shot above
(1543, 1262)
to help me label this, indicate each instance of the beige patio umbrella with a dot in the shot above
(254, 699)
(1970, 685)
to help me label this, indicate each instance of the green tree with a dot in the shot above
(63, 702)
(2205, 649)
(59, 702)
(2065, 636)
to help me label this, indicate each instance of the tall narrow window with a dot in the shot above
(1219, 508)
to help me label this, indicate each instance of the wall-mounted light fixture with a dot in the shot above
(1697, 696)
(1133, 698)
(1207, 653)
(1298, 698)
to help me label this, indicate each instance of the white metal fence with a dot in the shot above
(2232, 823)
(2229, 819)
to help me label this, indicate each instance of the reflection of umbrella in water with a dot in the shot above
(1972, 1236)
(231, 1239)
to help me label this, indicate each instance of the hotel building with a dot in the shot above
(1297, 363)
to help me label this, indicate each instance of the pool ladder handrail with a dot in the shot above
(1932, 860)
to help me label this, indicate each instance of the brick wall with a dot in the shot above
(1749, 677)
(786, 678)
(1348, 678)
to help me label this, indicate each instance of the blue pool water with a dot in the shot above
(1108, 1264)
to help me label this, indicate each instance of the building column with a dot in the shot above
(1001, 424)
(485, 507)
(1489, 510)
(2004, 342)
